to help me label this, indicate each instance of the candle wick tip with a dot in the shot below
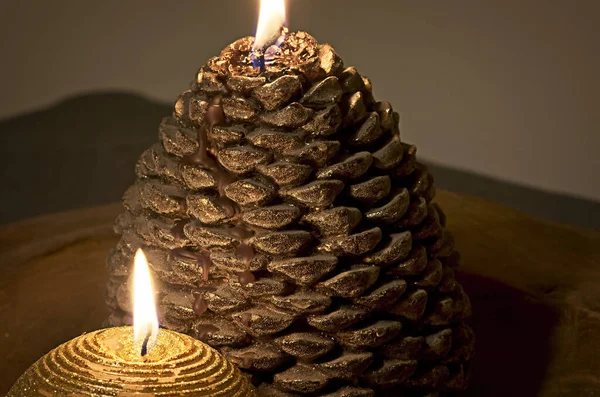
(145, 343)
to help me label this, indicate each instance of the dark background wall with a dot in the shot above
(502, 89)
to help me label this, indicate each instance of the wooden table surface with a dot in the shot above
(534, 286)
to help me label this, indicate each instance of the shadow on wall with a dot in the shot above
(82, 152)
(544, 205)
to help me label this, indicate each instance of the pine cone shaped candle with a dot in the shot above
(288, 226)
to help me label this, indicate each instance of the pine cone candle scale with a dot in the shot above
(289, 227)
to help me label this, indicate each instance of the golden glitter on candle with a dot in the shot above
(108, 363)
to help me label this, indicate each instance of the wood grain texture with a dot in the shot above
(535, 289)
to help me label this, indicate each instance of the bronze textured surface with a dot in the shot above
(110, 147)
(280, 207)
(533, 286)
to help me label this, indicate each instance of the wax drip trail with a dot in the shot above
(215, 117)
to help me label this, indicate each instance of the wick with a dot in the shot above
(145, 343)
(269, 47)
(261, 62)
(258, 60)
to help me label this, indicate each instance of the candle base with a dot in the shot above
(108, 363)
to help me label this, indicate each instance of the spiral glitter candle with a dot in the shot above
(108, 363)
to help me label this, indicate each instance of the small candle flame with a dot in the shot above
(270, 22)
(145, 321)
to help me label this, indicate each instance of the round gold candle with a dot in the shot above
(108, 363)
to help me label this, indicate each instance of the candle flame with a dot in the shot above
(145, 321)
(270, 22)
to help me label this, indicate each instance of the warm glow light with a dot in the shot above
(145, 321)
(270, 22)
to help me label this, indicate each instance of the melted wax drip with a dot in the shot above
(227, 205)
(205, 264)
(177, 230)
(246, 278)
(246, 319)
(202, 259)
(205, 329)
(200, 306)
(243, 250)
(245, 360)
(215, 117)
